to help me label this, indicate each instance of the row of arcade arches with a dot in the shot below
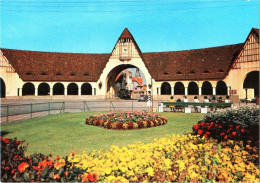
(58, 89)
(193, 89)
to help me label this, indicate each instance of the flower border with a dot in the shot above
(126, 126)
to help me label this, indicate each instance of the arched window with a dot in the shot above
(43, 89)
(2, 88)
(58, 89)
(221, 88)
(28, 89)
(252, 81)
(72, 89)
(86, 89)
(193, 89)
(179, 89)
(206, 88)
(166, 89)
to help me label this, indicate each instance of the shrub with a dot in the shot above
(241, 123)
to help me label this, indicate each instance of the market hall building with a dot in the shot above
(216, 71)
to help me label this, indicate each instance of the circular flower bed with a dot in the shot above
(127, 120)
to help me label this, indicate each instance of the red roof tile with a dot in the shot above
(199, 64)
(52, 66)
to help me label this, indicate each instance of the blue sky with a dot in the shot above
(93, 26)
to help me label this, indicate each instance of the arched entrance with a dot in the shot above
(252, 82)
(58, 89)
(221, 88)
(73, 89)
(166, 89)
(2, 88)
(206, 88)
(43, 89)
(124, 81)
(193, 88)
(28, 89)
(179, 89)
(86, 89)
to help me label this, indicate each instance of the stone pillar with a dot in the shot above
(65, 91)
(51, 91)
(79, 93)
(172, 91)
(20, 92)
(186, 91)
(228, 89)
(36, 91)
(93, 91)
(159, 90)
(214, 90)
(200, 88)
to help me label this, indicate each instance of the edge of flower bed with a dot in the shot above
(126, 126)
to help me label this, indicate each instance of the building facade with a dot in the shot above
(225, 70)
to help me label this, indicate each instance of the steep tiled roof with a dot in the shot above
(126, 34)
(51, 66)
(199, 64)
(256, 31)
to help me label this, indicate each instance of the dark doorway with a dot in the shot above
(179, 89)
(221, 88)
(252, 81)
(73, 89)
(193, 89)
(43, 89)
(86, 89)
(28, 89)
(206, 88)
(2, 88)
(166, 89)
(58, 89)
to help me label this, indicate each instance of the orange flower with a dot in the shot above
(57, 158)
(66, 173)
(55, 176)
(59, 164)
(84, 177)
(73, 153)
(22, 167)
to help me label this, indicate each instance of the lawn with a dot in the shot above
(63, 133)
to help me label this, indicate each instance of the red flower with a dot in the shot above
(238, 126)
(17, 142)
(242, 130)
(200, 132)
(205, 135)
(6, 168)
(222, 134)
(22, 167)
(234, 133)
(57, 158)
(225, 137)
(231, 126)
(92, 177)
(5, 140)
(12, 172)
(195, 127)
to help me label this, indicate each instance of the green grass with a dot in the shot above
(63, 133)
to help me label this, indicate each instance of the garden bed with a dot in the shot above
(126, 120)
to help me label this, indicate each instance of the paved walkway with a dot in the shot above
(22, 109)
